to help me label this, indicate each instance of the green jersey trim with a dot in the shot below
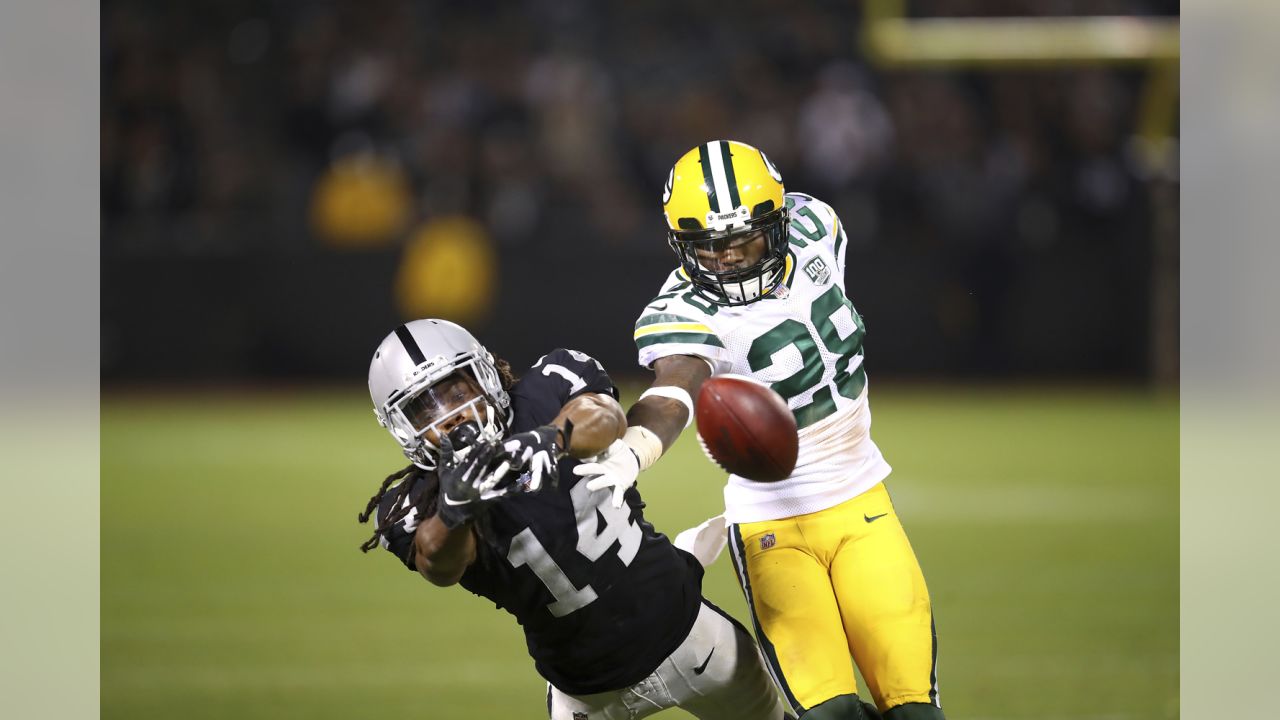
(678, 338)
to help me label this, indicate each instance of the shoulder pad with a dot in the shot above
(815, 222)
(676, 282)
(678, 322)
(570, 373)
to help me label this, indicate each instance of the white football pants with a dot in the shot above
(715, 674)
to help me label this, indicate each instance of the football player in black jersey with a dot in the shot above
(497, 499)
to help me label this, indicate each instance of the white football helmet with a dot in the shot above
(408, 365)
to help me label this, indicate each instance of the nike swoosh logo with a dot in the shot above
(702, 668)
(873, 518)
(450, 501)
(663, 306)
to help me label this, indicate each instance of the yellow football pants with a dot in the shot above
(834, 583)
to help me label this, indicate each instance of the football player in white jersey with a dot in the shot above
(823, 560)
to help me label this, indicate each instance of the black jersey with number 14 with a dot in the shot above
(603, 598)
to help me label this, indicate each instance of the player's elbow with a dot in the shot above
(597, 420)
(440, 556)
(607, 418)
(441, 579)
(438, 573)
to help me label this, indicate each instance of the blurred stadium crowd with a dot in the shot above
(265, 167)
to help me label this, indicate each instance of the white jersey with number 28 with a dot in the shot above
(805, 341)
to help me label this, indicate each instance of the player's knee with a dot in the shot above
(842, 707)
(914, 711)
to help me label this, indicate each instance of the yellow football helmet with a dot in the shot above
(727, 221)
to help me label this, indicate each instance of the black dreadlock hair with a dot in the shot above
(505, 375)
(400, 508)
(409, 476)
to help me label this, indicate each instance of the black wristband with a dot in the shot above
(567, 434)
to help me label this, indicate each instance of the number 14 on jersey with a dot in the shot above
(594, 539)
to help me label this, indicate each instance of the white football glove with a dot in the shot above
(617, 467)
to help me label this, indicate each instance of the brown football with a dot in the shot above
(747, 428)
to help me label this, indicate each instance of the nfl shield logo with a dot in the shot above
(768, 541)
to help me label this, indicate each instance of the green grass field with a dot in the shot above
(232, 587)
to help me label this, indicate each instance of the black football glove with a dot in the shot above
(467, 484)
(538, 452)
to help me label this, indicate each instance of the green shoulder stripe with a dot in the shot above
(678, 338)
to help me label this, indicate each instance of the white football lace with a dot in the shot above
(707, 451)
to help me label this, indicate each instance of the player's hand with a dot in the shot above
(617, 467)
(537, 451)
(467, 485)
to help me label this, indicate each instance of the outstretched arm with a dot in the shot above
(588, 424)
(444, 545)
(661, 414)
(441, 554)
(655, 422)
